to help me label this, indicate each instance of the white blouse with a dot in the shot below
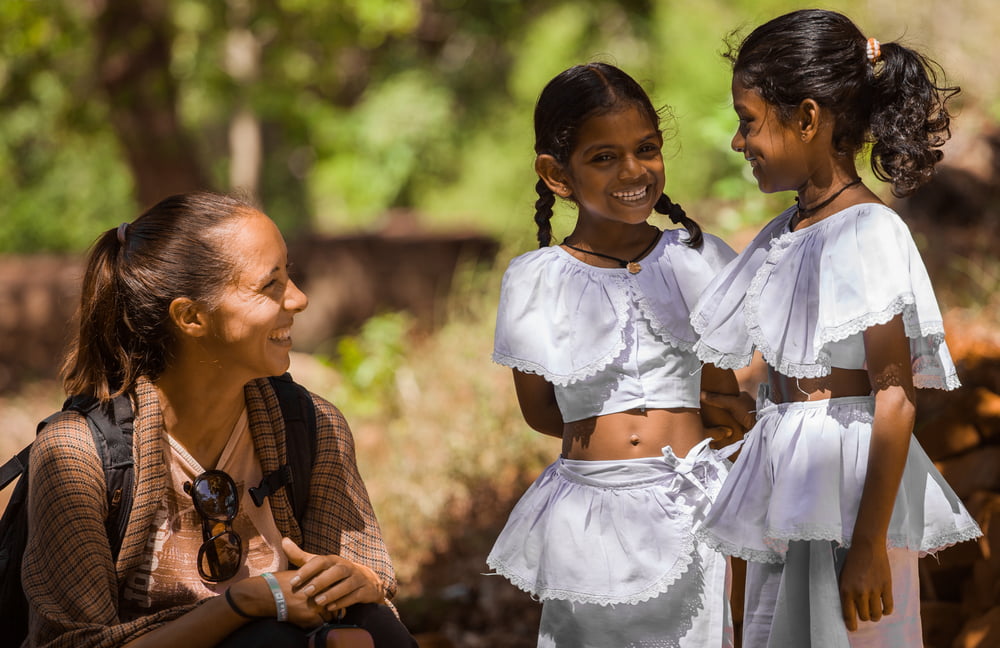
(608, 340)
(803, 298)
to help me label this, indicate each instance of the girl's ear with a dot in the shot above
(553, 175)
(189, 317)
(809, 119)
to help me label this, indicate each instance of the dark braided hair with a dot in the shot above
(566, 102)
(895, 104)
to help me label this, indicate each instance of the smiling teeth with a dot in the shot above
(281, 335)
(631, 195)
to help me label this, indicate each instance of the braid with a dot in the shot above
(669, 208)
(543, 213)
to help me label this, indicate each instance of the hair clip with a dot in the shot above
(874, 50)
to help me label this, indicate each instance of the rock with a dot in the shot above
(981, 632)
(973, 471)
(987, 414)
(941, 623)
(947, 436)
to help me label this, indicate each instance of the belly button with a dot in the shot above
(634, 439)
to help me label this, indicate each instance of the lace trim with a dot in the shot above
(721, 359)
(587, 371)
(659, 328)
(660, 586)
(737, 551)
(947, 539)
(778, 542)
(933, 332)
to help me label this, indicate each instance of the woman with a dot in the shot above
(186, 311)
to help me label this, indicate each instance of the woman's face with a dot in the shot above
(774, 149)
(616, 172)
(251, 328)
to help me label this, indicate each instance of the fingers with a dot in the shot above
(887, 604)
(719, 433)
(295, 554)
(863, 606)
(850, 612)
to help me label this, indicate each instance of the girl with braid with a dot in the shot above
(597, 332)
(832, 499)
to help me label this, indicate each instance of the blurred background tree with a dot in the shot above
(334, 112)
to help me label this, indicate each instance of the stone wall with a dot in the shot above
(347, 279)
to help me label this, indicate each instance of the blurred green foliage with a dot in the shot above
(367, 364)
(367, 105)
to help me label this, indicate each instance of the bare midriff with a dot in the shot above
(633, 434)
(840, 383)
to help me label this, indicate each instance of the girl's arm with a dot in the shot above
(537, 399)
(865, 581)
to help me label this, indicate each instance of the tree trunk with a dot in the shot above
(133, 64)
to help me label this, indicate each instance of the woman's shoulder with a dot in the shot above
(66, 431)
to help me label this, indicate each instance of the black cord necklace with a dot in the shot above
(632, 266)
(803, 212)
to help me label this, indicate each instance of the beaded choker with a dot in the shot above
(633, 266)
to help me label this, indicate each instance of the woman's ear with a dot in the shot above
(809, 119)
(189, 317)
(552, 174)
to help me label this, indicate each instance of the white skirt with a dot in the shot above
(800, 477)
(591, 536)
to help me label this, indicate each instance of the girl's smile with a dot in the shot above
(774, 150)
(616, 170)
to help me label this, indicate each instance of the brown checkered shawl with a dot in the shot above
(69, 579)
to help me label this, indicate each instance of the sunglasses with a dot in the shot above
(217, 502)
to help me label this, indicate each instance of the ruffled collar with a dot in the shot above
(792, 294)
(565, 319)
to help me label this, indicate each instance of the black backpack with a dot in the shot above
(112, 431)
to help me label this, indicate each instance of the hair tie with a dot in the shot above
(874, 50)
(121, 233)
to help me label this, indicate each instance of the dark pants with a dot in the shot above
(386, 630)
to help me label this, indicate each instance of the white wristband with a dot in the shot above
(279, 597)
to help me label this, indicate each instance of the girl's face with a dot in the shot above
(250, 330)
(774, 149)
(616, 170)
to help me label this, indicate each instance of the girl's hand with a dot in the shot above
(332, 583)
(733, 411)
(865, 584)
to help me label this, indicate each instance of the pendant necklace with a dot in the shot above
(802, 212)
(632, 266)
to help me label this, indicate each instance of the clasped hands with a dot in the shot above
(324, 585)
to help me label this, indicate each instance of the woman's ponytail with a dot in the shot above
(543, 213)
(669, 208)
(96, 361)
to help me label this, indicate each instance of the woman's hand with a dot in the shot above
(865, 584)
(331, 583)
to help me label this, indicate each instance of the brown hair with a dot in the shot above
(133, 274)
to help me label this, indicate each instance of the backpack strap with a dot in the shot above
(299, 413)
(14, 466)
(112, 427)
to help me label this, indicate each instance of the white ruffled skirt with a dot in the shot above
(590, 536)
(800, 477)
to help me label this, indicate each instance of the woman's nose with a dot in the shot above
(295, 299)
